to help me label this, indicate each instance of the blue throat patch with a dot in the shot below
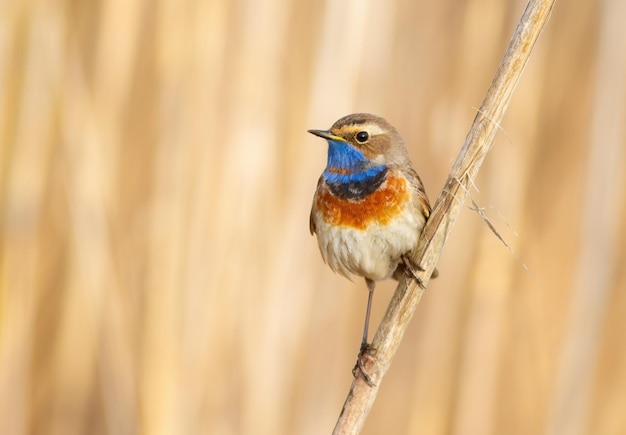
(349, 174)
(347, 164)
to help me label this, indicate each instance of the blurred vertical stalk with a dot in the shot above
(599, 242)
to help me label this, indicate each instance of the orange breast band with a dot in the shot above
(379, 207)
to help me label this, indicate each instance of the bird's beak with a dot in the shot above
(326, 135)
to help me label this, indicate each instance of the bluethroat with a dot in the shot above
(370, 206)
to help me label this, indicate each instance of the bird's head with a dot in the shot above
(362, 142)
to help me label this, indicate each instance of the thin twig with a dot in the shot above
(483, 216)
(378, 357)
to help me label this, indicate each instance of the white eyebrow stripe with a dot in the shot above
(373, 129)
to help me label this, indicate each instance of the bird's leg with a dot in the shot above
(364, 346)
(370, 287)
(413, 268)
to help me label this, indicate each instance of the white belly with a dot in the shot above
(373, 252)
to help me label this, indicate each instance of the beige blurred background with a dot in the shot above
(157, 275)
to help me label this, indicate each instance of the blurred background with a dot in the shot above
(157, 275)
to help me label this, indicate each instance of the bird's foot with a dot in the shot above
(360, 364)
(412, 268)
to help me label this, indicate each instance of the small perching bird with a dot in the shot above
(370, 206)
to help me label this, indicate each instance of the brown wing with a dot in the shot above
(420, 199)
(311, 221)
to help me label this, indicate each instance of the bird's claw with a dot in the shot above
(360, 365)
(412, 268)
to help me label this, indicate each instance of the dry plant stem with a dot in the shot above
(377, 358)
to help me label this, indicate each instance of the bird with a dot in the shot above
(370, 206)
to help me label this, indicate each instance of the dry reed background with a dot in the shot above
(157, 275)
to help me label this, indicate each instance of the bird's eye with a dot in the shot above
(362, 137)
